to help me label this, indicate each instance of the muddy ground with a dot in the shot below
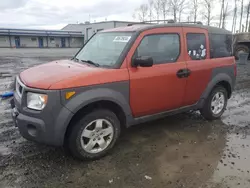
(178, 151)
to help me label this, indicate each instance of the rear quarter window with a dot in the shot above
(220, 45)
(196, 46)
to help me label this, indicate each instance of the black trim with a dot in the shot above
(147, 118)
(165, 62)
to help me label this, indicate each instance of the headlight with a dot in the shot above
(36, 101)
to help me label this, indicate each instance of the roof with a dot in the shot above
(81, 26)
(141, 27)
(137, 27)
(36, 32)
(74, 27)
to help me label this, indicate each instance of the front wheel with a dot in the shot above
(94, 135)
(215, 104)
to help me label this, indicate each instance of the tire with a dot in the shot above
(240, 48)
(208, 111)
(76, 140)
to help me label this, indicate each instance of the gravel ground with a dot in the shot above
(178, 151)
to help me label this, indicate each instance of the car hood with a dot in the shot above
(45, 75)
(67, 74)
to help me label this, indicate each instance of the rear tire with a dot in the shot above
(89, 139)
(215, 104)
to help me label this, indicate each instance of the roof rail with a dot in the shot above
(198, 22)
(165, 21)
(152, 22)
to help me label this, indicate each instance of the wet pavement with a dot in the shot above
(179, 151)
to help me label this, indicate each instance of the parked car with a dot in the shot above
(122, 77)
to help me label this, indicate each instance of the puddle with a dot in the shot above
(233, 170)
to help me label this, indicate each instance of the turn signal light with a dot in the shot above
(69, 94)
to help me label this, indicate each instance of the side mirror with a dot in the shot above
(143, 61)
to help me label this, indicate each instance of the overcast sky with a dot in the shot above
(55, 14)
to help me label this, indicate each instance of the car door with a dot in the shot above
(198, 63)
(158, 88)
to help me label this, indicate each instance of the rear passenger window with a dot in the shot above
(220, 45)
(163, 48)
(196, 46)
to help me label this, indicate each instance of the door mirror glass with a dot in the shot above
(143, 61)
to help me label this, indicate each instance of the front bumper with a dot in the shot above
(31, 128)
(47, 126)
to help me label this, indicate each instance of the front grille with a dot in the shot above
(19, 87)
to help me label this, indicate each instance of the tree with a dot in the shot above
(247, 8)
(225, 14)
(164, 9)
(195, 6)
(151, 9)
(208, 6)
(221, 11)
(241, 14)
(141, 13)
(234, 16)
(182, 7)
(157, 8)
(176, 7)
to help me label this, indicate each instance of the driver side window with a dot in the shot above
(163, 48)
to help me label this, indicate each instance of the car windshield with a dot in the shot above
(104, 49)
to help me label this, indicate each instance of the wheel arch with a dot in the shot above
(221, 79)
(90, 107)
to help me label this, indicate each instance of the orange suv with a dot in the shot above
(122, 77)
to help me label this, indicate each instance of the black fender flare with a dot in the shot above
(217, 79)
(99, 94)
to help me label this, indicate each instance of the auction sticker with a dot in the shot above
(121, 38)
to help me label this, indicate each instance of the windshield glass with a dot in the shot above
(104, 49)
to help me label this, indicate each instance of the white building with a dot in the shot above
(89, 29)
(27, 38)
(71, 36)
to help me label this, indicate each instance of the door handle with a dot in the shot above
(183, 73)
(188, 72)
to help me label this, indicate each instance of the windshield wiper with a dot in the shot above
(75, 59)
(91, 62)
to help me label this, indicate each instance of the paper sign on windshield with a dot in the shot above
(121, 38)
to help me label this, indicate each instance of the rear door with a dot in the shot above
(158, 88)
(198, 63)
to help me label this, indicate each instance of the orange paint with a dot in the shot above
(157, 88)
(67, 74)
